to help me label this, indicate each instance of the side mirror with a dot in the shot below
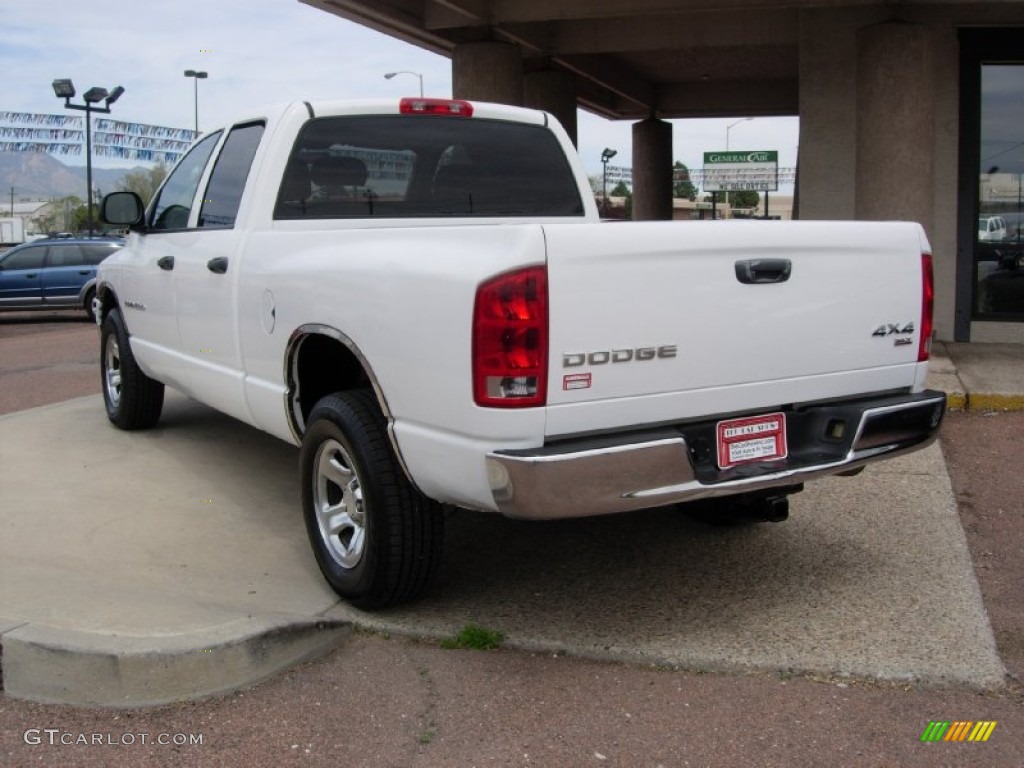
(122, 209)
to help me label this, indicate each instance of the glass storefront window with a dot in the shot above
(999, 242)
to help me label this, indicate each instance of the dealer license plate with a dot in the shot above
(756, 438)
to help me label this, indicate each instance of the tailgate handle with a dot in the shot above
(758, 271)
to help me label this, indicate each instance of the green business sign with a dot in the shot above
(735, 171)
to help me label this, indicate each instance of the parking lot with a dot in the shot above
(857, 630)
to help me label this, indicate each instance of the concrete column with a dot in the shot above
(828, 114)
(652, 170)
(895, 123)
(488, 72)
(553, 91)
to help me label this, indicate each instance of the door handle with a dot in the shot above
(31, 275)
(763, 271)
(218, 265)
(165, 263)
(83, 271)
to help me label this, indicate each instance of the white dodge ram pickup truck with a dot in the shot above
(420, 294)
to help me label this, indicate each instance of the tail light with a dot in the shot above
(421, 106)
(927, 307)
(510, 340)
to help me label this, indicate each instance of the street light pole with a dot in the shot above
(64, 89)
(607, 155)
(389, 75)
(727, 129)
(196, 77)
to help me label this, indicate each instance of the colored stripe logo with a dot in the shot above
(958, 730)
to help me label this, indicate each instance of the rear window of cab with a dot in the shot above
(425, 166)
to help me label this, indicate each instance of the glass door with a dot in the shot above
(990, 188)
(998, 251)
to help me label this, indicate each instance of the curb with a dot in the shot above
(983, 401)
(59, 666)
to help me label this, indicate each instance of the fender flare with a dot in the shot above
(293, 412)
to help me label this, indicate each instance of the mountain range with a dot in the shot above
(39, 176)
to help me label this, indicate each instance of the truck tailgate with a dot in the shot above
(653, 322)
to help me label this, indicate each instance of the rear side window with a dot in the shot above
(400, 166)
(69, 255)
(227, 182)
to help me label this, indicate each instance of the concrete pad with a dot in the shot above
(870, 577)
(992, 374)
(153, 548)
(150, 547)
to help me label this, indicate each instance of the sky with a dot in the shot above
(266, 51)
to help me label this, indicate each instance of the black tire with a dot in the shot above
(377, 540)
(133, 400)
(90, 295)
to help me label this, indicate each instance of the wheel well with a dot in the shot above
(319, 366)
(108, 301)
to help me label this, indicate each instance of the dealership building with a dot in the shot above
(909, 110)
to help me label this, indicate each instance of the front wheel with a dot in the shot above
(133, 400)
(377, 540)
(89, 304)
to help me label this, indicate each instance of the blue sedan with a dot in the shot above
(54, 273)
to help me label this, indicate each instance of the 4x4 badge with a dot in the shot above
(890, 329)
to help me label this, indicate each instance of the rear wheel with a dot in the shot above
(133, 400)
(377, 540)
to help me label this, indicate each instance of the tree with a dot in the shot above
(681, 184)
(746, 198)
(64, 216)
(144, 182)
(80, 218)
(621, 190)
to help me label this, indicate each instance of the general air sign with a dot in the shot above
(736, 171)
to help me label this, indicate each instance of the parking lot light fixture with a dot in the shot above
(727, 129)
(63, 88)
(390, 75)
(606, 155)
(196, 77)
(95, 95)
(114, 96)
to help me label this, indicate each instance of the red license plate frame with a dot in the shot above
(751, 439)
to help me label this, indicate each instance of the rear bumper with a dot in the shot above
(653, 468)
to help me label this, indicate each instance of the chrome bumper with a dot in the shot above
(653, 468)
